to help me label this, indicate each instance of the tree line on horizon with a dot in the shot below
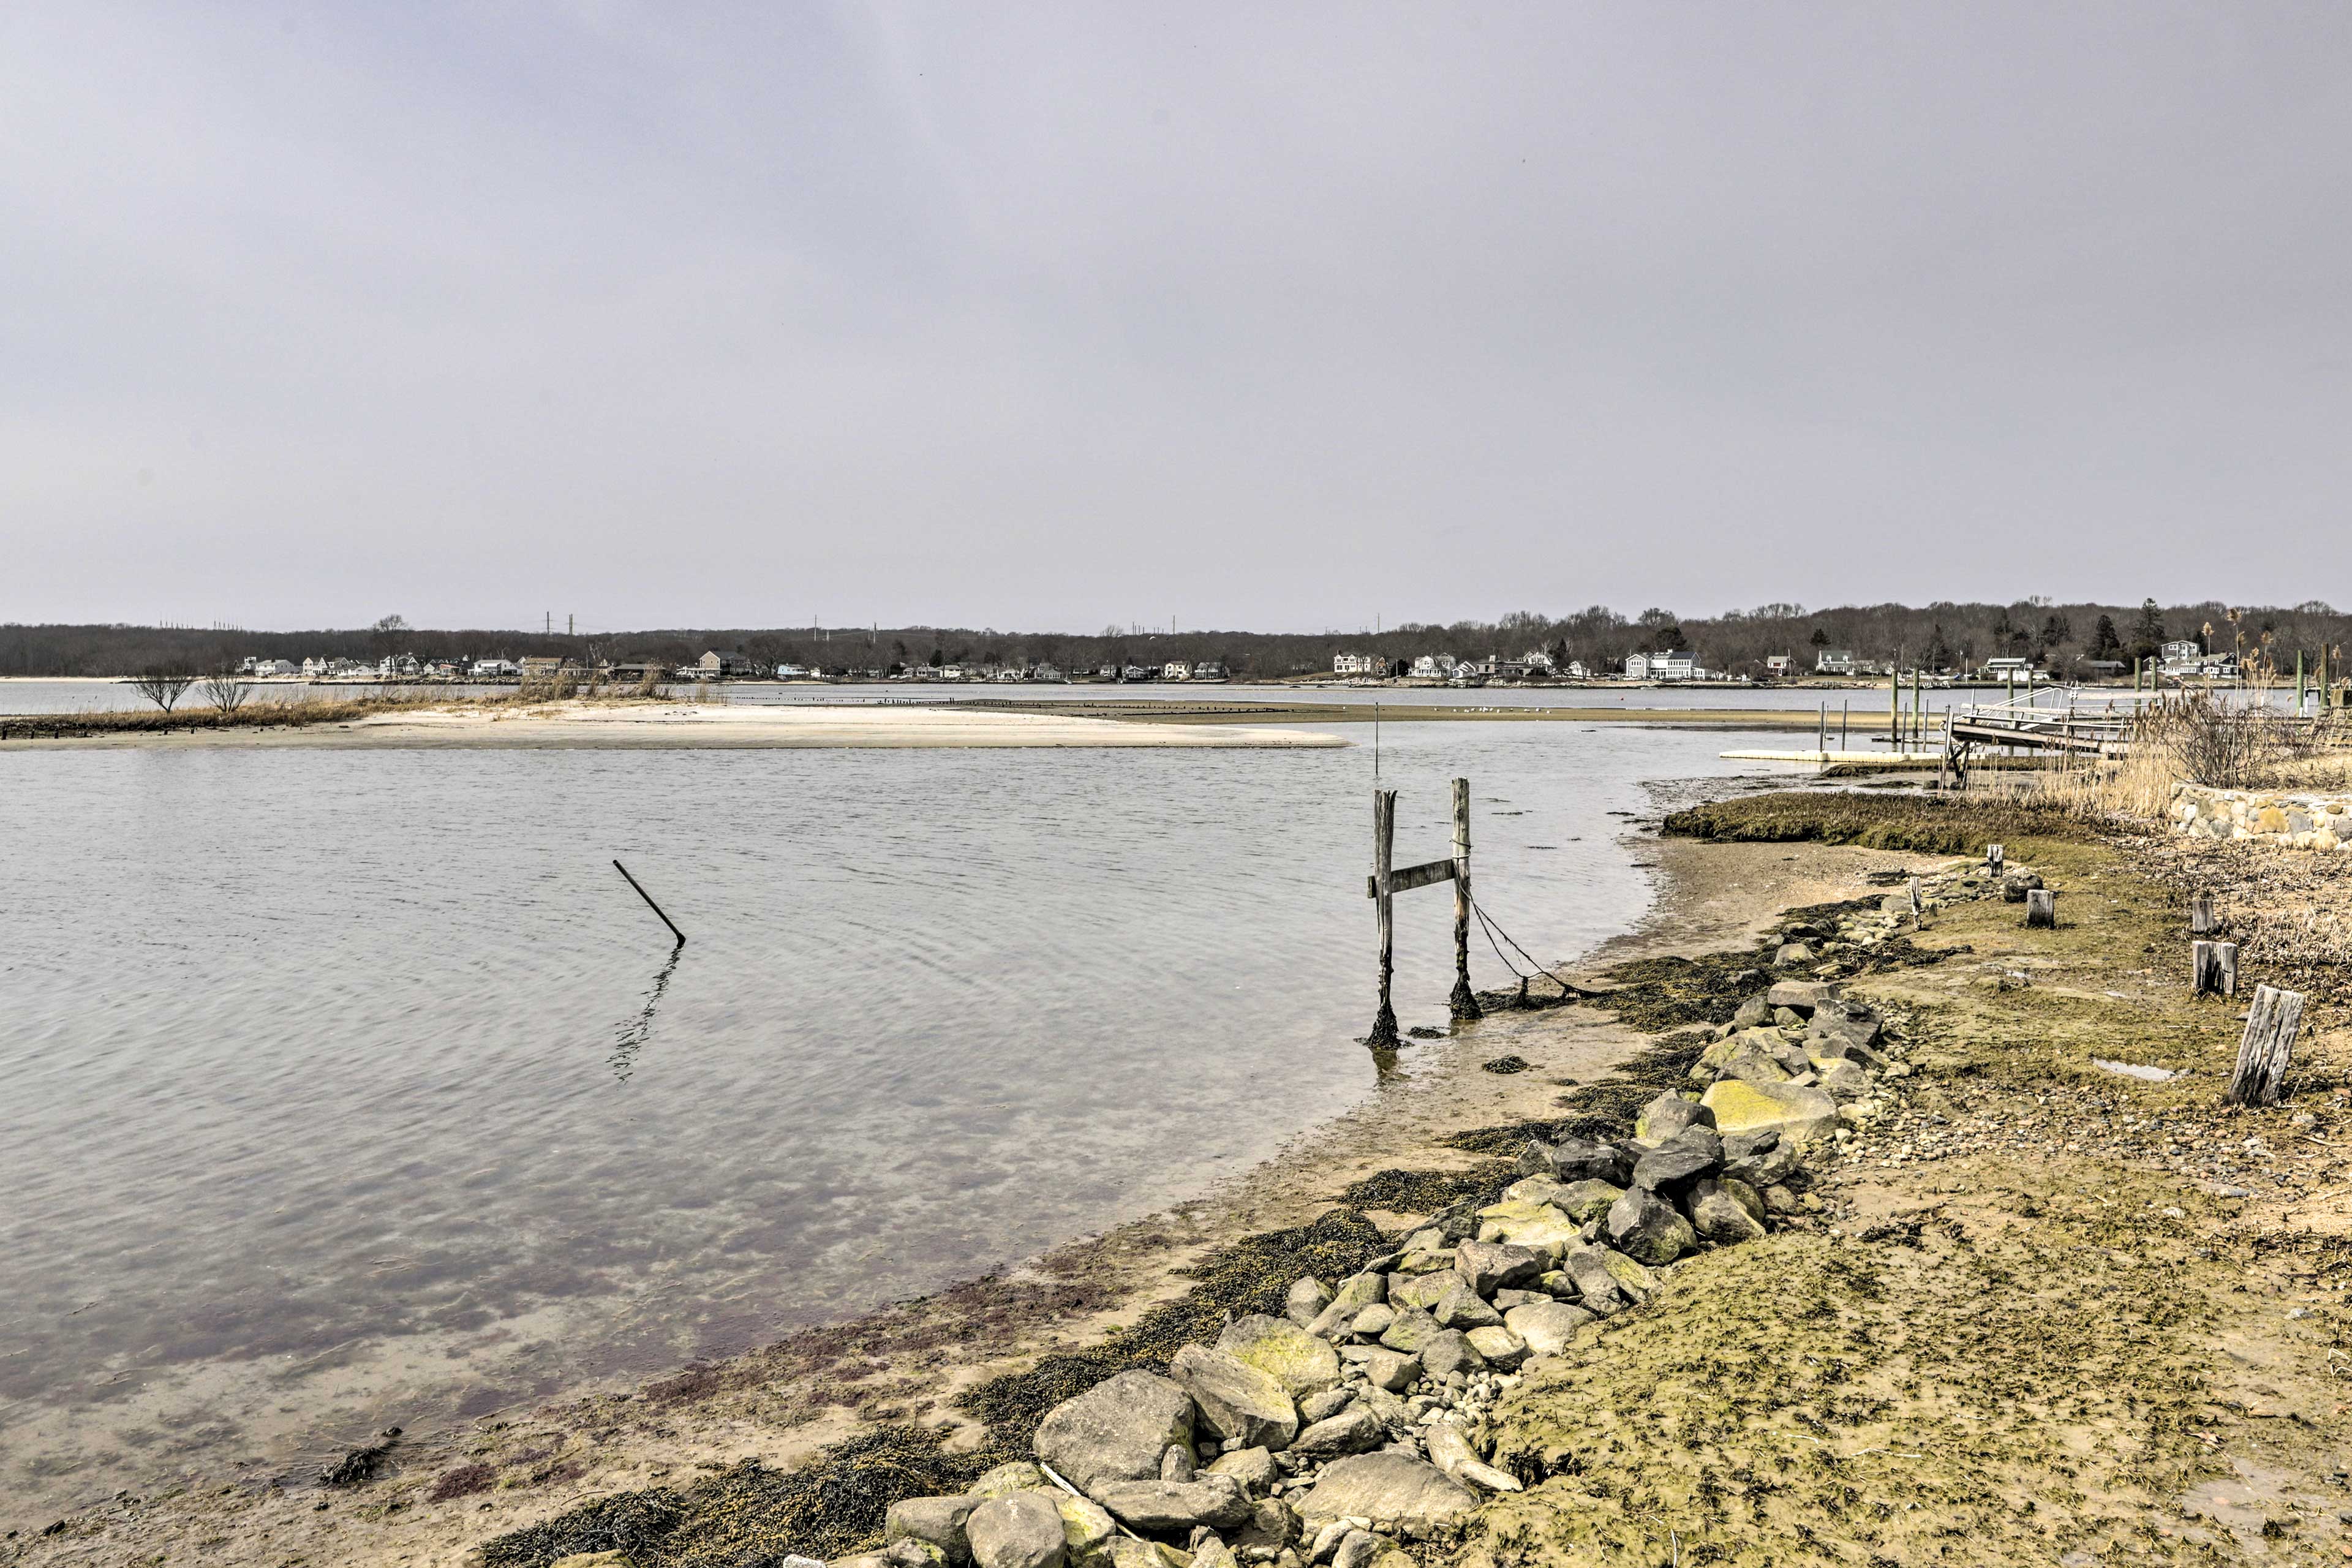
(1941, 636)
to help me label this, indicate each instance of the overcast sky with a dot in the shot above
(1273, 317)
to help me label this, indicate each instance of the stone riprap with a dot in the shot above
(1358, 1420)
(2290, 821)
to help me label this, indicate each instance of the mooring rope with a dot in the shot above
(1493, 928)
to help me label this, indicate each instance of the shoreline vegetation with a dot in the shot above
(2031, 1307)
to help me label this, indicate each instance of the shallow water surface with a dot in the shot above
(355, 1088)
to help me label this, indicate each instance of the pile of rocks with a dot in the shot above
(1358, 1420)
(1801, 1061)
(2295, 821)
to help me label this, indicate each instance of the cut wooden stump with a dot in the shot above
(2213, 969)
(2269, 1045)
(2200, 915)
(2041, 908)
(1992, 858)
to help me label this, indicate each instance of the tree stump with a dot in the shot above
(1993, 855)
(2041, 908)
(2268, 1046)
(2200, 915)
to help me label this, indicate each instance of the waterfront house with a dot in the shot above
(1834, 661)
(1426, 668)
(495, 670)
(2182, 656)
(1778, 666)
(1357, 664)
(1534, 659)
(1134, 672)
(1176, 669)
(1209, 669)
(2008, 668)
(725, 666)
(1674, 664)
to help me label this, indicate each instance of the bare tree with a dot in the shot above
(226, 690)
(165, 684)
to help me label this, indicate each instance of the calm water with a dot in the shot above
(351, 1088)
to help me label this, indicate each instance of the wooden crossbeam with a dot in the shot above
(1412, 876)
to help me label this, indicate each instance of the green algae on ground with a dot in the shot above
(1923, 824)
(1957, 1386)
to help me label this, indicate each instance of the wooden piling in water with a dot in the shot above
(1384, 1025)
(1464, 1003)
(648, 897)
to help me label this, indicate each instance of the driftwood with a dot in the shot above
(2269, 1045)
(2041, 908)
(2213, 969)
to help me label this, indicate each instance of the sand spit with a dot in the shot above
(716, 726)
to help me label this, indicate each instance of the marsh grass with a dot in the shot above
(298, 713)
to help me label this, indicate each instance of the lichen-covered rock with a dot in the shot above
(1160, 1508)
(1356, 1292)
(1306, 1301)
(1491, 1265)
(1127, 1552)
(1272, 1525)
(1802, 995)
(1425, 1291)
(1408, 1494)
(1413, 1330)
(1546, 1327)
(1588, 1200)
(1631, 1278)
(1235, 1400)
(1022, 1530)
(1760, 1158)
(1693, 1153)
(1117, 1430)
(1647, 1228)
(1720, 1217)
(1537, 1226)
(1300, 1361)
(1374, 1321)
(1800, 1115)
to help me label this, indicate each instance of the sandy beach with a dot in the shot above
(714, 726)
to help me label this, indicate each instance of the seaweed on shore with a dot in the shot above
(1426, 1192)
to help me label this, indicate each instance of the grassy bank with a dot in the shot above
(300, 712)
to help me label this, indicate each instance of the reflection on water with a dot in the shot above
(319, 1120)
(633, 1035)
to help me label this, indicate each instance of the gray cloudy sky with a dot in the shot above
(1248, 315)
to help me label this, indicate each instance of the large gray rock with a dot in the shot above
(1386, 1369)
(1306, 1301)
(1546, 1327)
(1801, 1115)
(1497, 1346)
(1021, 1531)
(1426, 1291)
(1373, 1322)
(1018, 1475)
(938, 1519)
(1845, 1080)
(1461, 1307)
(1297, 1360)
(1449, 1353)
(1272, 1525)
(1162, 1507)
(1647, 1228)
(1751, 1013)
(1356, 1292)
(1762, 1159)
(1492, 1266)
(1410, 1494)
(1802, 995)
(1352, 1431)
(1117, 1430)
(1668, 1114)
(1694, 1152)
(1253, 1468)
(1234, 1399)
(1716, 1215)
(1597, 1290)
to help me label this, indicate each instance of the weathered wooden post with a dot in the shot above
(1465, 1002)
(1894, 708)
(2041, 909)
(2212, 968)
(2200, 915)
(1916, 909)
(1384, 1029)
(2268, 1046)
(2225, 964)
(1993, 855)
